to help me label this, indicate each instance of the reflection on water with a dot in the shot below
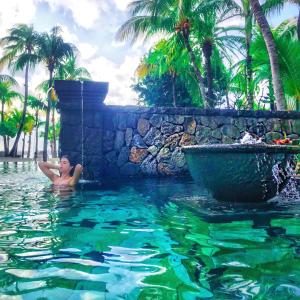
(149, 239)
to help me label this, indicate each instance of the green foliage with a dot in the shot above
(154, 91)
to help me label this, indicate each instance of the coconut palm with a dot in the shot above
(150, 17)
(160, 16)
(69, 70)
(7, 95)
(19, 54)
(289, 66)
(272, 52)
(38, 105)
(271, 6)
(52, 50)
(27, 130)
(8, 78)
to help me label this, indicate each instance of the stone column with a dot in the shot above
(80, 105)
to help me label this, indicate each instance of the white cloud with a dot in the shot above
(85, 12)
(86, 50)
(118, 76)
(122, 4)
(16, 11)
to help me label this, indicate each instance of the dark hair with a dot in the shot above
(71, 163)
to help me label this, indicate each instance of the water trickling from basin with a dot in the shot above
(280, 174)
(81, 95)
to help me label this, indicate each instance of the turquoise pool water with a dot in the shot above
(148, 239)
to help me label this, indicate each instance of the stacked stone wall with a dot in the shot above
(148, 141)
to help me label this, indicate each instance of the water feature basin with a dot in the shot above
(241, 172)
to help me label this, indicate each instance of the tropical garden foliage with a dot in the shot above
(208, 53)
(219, 64)
(23, 50)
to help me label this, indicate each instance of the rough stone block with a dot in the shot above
(178, 158)
(119, 140)
(153, 150)
(169, 128)
(156, 120)
(164, 155)
(138, 142)
(128, 136)
(230, 131)
(187, 140)
(137, 155)
(143, 126)
(190, 125)
(175, 119)
(153, 137)
(172, 141)
(296, 126)
(149, 166)
(123, 156)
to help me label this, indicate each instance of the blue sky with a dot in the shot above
(91, 25)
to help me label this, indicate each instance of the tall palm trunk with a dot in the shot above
(54, 153)
(29, 145)
(173, 78)
(298, 25)
(36, 134)
(23, 147)
(207, 52)
(4, 137)
(45, 152)
(273, 56)
(13, 151)
(271, 95)
(249, 71)
(196, 69)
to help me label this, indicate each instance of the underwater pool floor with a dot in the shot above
(143, 239)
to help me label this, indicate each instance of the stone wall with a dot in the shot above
(147, 141)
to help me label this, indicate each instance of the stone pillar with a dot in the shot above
(80, 105)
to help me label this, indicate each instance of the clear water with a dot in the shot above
(148, 239)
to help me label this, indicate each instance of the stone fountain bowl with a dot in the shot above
(241, 172)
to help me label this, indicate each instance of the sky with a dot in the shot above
(91, 25)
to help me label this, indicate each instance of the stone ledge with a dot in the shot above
(203, 112)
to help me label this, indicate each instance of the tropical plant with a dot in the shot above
(272, 52)
(271, 6)
(7, 95)
(27, 130)
(20, 53)
(289, 66)
(68, 70)
(37, 105)
(52, 50)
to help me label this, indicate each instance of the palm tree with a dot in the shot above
(277, 5)
(289, 66)
(6, 97)
(27, 129)
(150, 17)
(52, 50)
(38, 105)
(272, 52)
(213, 36)
(159, 16)
(20, 53)
(8, 78)
(68, 70)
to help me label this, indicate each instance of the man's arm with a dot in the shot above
(76, 175)
(46, 169)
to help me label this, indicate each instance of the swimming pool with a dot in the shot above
(145, 239)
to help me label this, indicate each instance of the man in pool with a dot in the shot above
(69, 176)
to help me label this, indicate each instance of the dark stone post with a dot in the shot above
(80, 105)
